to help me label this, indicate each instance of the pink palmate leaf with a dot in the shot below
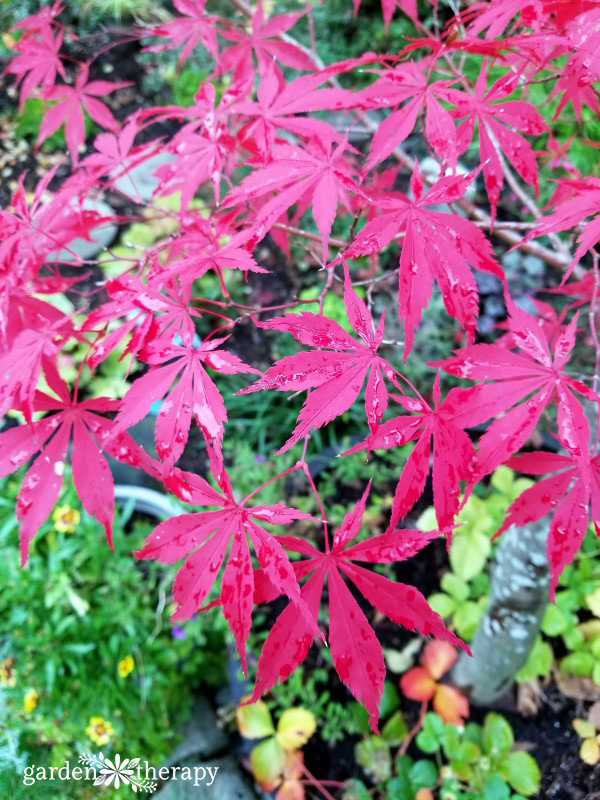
(91, 435)
(203, 539)
(337, 374)
(437, 247)
(571, 495)
(355, 650)
(520, 385)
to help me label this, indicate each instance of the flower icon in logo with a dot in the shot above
(116, 771)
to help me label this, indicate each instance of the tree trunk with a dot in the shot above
(509, 628)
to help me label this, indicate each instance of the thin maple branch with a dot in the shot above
(311, 31)
(414, 730)
(310, 779)
(309, 478)
(248, 497)
(313, 237)
(528, 201)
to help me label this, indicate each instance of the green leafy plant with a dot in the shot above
(374, 753)
(575, 617)
(91, 649)
(589, 750)
(462, 603)
(481, 758)
(477, 762)
(309, 688)
(478, 520)
(539, 662)
(276, 762)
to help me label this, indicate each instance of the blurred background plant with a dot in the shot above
(276, 762)
(477, 762)
(87, 652)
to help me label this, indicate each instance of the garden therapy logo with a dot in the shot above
(138, 775)
(115, 772)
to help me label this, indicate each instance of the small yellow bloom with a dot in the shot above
(30, 700)
(65, 519)
(99, 730)
(126, 666)
(7, 672)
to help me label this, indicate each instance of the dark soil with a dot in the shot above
(556, 748)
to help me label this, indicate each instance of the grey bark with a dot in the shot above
(509, 628)
(518, 599)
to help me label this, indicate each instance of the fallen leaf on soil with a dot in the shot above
(529, 698)
(577, 687)
(594, 714)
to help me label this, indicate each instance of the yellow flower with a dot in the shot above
(30, 700)
(7, 672)
(99, 730)
(125, 666)
(65, 518)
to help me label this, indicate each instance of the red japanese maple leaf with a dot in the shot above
(279, 106)
(355, 650)
(203, 146)
(204, 537)
(436, 246)
(318, 174)
(553, 324)
(453, 453)
(40, 23)
(201, 247)
(35, 225)
(116, 155)
(576, 79)
(150, 310)
(195, 394)
(495, 135)
(37, 64)
(570, 212)
(189, 30)
(336, 375)
(69, 109)
(200, 158)
(409, 82)
(522, 385)
(266, 42)
(91, 434)
(21, 365)
(570, 496)
(495, 16)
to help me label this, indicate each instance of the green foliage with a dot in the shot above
(185, 86)
(307, 688)
(480, 757)
(478, 521)
(462, 604)
(90, 641)
(116, 9)
(539, 662)
(463, 597)
(575, 617)
(474, 763)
